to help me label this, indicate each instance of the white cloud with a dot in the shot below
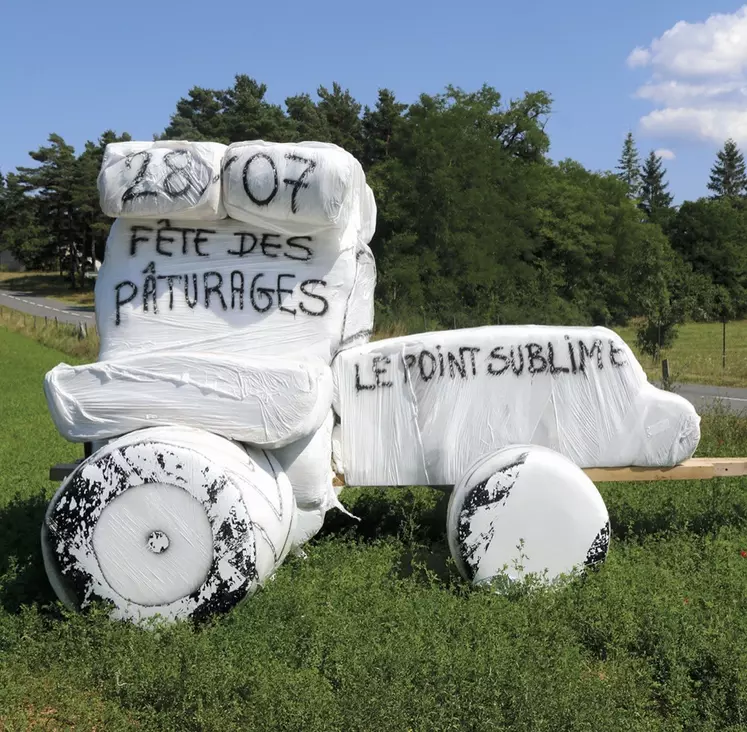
(713, 125)
(638, 57)
(716, 46)
(699, 79)
(665, 154)
(677, 93)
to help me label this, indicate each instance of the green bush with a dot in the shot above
(653, 336)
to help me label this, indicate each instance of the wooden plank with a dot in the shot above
(692, 469)
(62, 470)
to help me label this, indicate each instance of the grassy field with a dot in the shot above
(62, 337)
(695, 356)
(375, 631)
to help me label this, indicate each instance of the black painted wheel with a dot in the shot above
(172, 522)
(526, 510)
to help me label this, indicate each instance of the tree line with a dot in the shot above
(476, 224)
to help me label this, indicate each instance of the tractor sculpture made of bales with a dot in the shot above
(235, 307)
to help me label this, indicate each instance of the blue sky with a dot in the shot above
(79, 68)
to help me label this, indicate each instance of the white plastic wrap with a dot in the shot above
(337, 464)
(227, 287)
(307, 524)
(308, 464)
(297, 187)
(264, 401)
(420, 409)
(152, 180)
(359, 316)
(168, 521)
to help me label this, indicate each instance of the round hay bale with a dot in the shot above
(526, 510)
(172, 522)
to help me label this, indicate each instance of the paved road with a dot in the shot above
(703, 397)
(47, 307)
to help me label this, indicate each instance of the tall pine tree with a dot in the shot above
(656, 201)
(630, 167)
(51, 184)
(25, 226)
(91, 226)
(382, 128)
(728, 177)
(343, 115)
(309, 120)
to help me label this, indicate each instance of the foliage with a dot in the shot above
(710, 236)
(23, 228)
(382, 128)
(629, 166)
(375, 630)
(601, 258)
(728, 178)
(656, 201)
(51, 213)
(657, 333)
(454, 227)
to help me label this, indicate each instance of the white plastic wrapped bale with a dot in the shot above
(337, 463)
(297, 187)
(228, 287)
(310, 188)
(170, 522)
(526, 510)
(152, 180)
(308, 465)
(418, 410)
(359, 318)
(268, 402)
(307, 524)
(359, 315)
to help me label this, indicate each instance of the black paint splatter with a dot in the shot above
(476, 498)
(598, 549)
(72, 520)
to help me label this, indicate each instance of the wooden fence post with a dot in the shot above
(723, 345)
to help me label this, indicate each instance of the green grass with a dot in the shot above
(696, 355)
(63, 337)
(375, 630)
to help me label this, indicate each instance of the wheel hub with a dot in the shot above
(158, 542)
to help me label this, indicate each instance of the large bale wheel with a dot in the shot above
(524, 511)
(172, 522)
